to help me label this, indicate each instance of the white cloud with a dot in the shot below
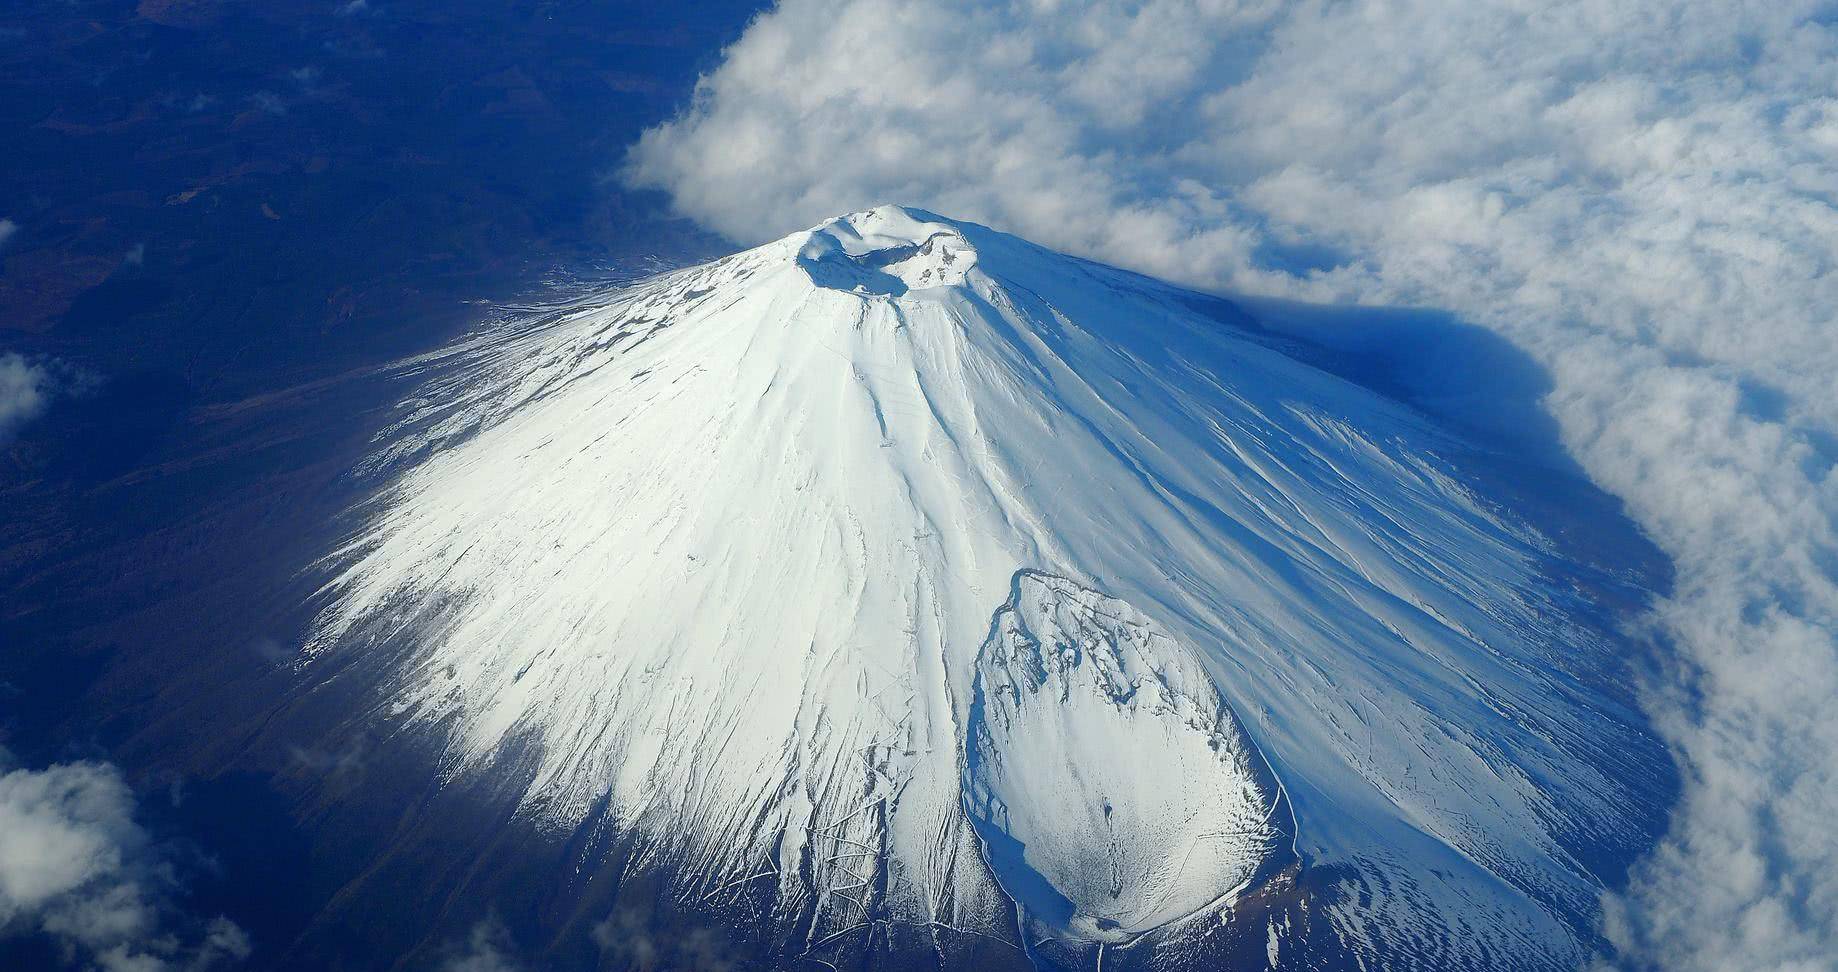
(1639, 193)
(631, 938)
(7, 229)
(25, 387)
(76, 866)
(487, 949)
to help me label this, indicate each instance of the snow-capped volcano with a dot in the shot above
(930, 587)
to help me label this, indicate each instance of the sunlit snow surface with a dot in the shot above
(900, 556)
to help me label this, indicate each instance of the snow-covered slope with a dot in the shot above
(907, 571)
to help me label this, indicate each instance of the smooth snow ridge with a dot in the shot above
(734, 553)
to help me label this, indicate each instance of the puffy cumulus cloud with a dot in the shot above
(1061, 124)
(1639, 193)
(76, 866)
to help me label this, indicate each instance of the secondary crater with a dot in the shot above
(1113, 789)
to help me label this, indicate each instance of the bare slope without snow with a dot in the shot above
(928, 585)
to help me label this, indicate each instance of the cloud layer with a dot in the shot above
(75, 866)
(1641, 194)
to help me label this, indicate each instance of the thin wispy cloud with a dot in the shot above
(487, 948)
(25, 388)
(1639, 194)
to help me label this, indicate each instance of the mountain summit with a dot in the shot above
(914, 594)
